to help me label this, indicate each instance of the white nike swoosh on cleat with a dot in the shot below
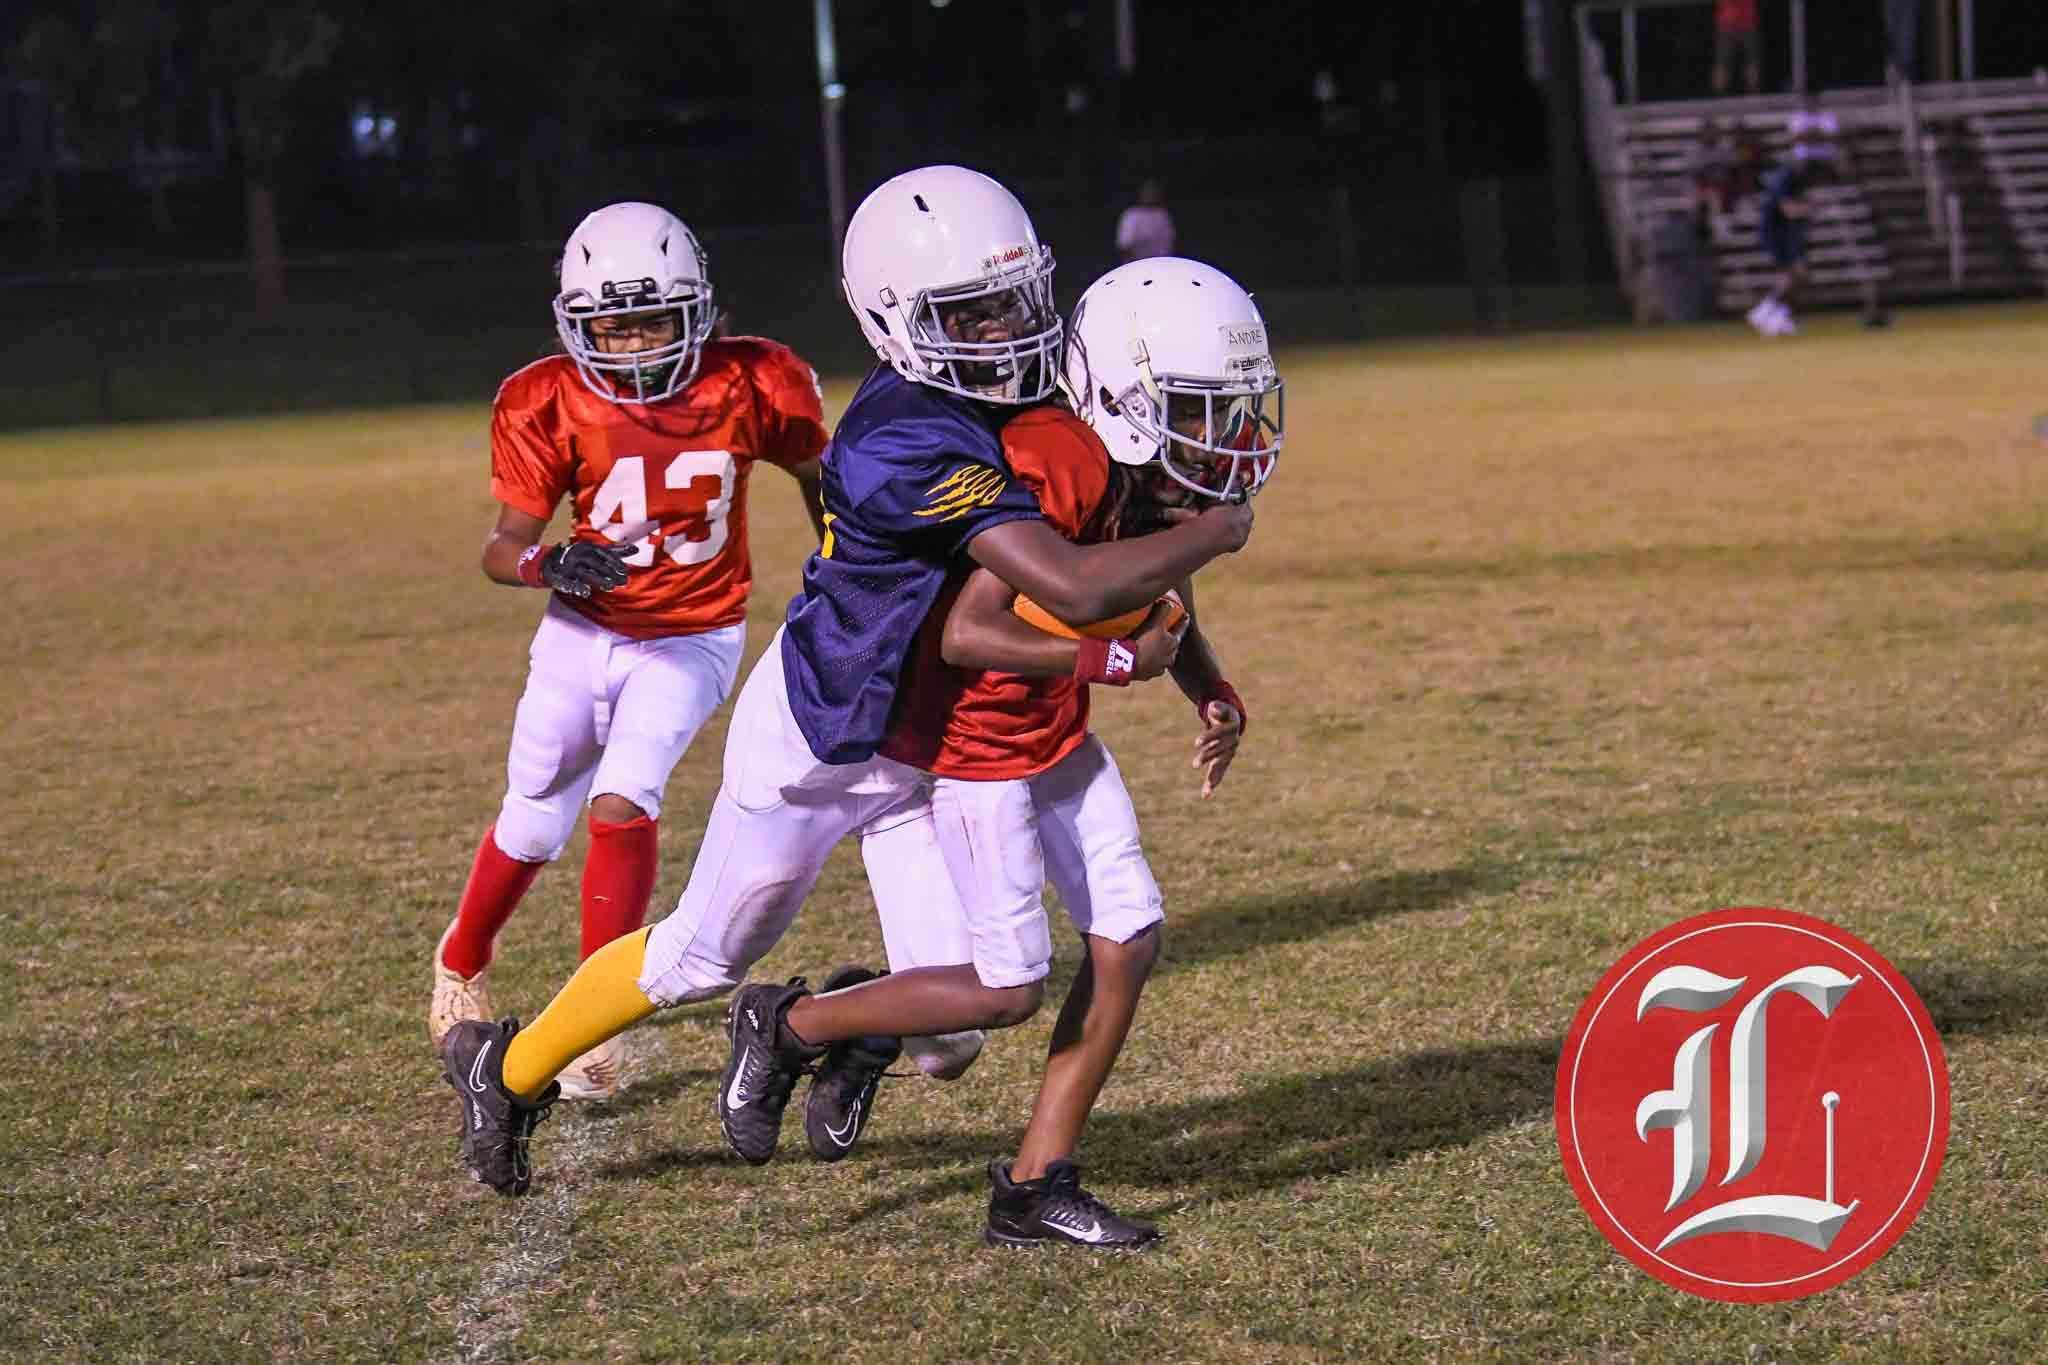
(844, 1136)
(476, 1070)
(1092, 1233)
(736, 1093)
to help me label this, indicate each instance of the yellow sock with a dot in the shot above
(602, 999)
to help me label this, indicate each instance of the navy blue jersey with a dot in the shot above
(912, 475)
(1786, 182)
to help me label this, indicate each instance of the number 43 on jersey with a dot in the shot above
(696, 474)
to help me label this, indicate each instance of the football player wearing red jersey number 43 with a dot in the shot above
(650, 428)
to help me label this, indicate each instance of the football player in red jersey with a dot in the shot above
(1168, 362)
(650, 426)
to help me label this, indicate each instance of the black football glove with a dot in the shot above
(582, 567)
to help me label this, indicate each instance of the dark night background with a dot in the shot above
(712, 107)
(288, 162)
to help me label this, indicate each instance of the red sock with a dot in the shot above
(617, 880)
(496, 882)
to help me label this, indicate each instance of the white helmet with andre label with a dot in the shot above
(949, 282)
(1168, 360)
(639, 260)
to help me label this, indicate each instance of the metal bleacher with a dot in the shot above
(2011, 143)
(1940, 191)
(1846, 250)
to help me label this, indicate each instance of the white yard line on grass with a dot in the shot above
(489, 1321)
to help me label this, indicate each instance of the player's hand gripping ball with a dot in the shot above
(1110, 628)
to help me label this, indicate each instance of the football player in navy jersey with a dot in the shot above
(946, 276)
(1782, 215)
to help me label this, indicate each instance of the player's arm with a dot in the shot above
(515, 533)
(1197, 669)
(810, 483)
(514, 556)
(1218, 709)
(982, 631)
(792, 407)
(529, 477)
(1090, 582)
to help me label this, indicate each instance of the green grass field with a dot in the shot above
(1548, 642)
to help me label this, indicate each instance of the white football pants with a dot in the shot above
(780, 811)
(604, 714)
(996, 843)
(777, 815)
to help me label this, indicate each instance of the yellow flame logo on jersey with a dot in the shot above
(966, 488)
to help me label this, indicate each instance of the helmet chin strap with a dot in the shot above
(1141, 357)
(636, 381)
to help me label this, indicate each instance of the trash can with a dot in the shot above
(1683, 269)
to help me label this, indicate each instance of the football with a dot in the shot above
(1110, 628)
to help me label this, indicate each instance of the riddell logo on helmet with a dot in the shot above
(1827, 1129)
(1006, 256)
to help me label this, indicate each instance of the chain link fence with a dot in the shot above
(1341, 260)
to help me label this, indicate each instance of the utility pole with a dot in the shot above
(831, 102)
(1554, 64)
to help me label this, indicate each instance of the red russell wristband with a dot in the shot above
(1225, 693)
(1106, 661)
(529, 565)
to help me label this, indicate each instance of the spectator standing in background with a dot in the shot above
(1781, 231)
(1712, 164)
(1735, 34)
(1145, 228)
(1727, 169)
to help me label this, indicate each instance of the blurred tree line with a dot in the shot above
(395, 98)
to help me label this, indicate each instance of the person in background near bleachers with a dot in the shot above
(1746, 180)
(1727, 170)
(1145, 228)
(1713, 162)
(1735, 35)
(1781, 228)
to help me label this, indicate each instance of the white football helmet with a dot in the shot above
(1171, 338)
(943, 244)
(634, 258)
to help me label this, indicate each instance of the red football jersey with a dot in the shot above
(1735, 16)
(987, 726)
(678, 469)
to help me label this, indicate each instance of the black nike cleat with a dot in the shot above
(496, 1123)
(1054, 1208)
(841, 1099)
(766, 1061)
